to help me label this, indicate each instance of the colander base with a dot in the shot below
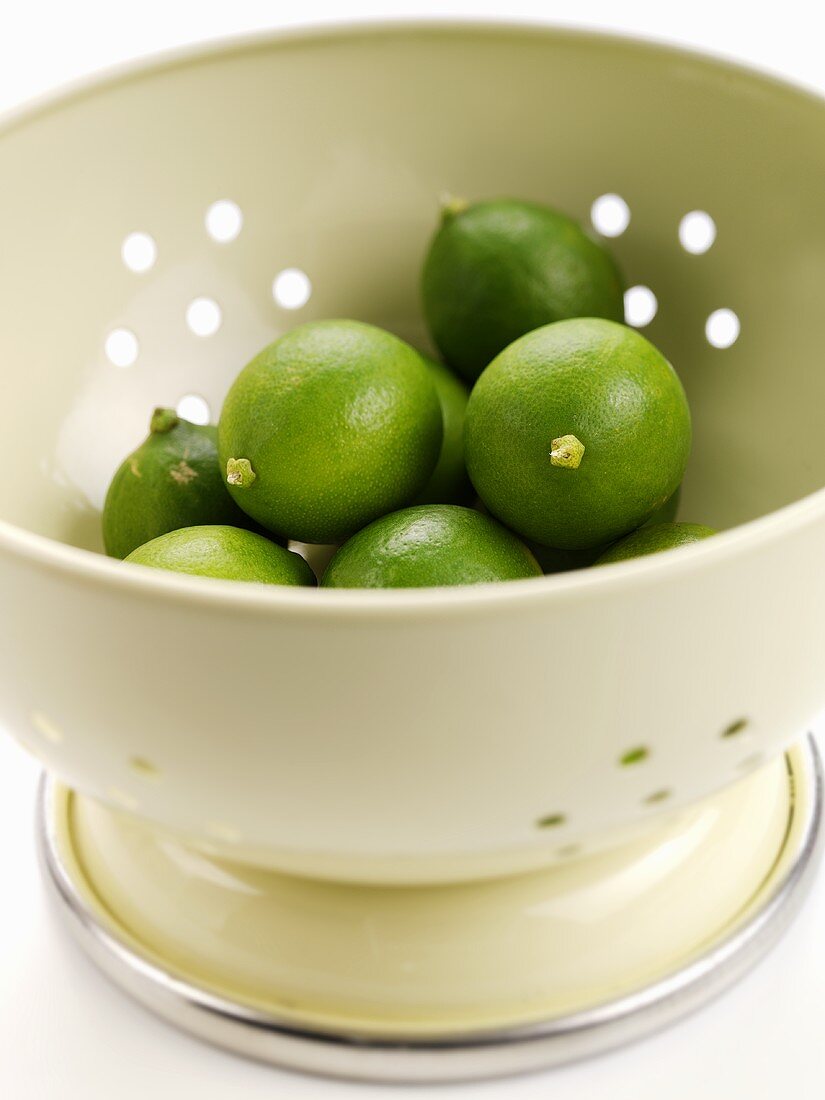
(445, 982)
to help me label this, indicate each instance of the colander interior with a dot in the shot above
(160, 228)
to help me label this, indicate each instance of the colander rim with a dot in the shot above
(90, 567)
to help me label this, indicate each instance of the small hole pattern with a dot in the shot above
(657, 797)
(223, 221)
(122, 347)
(697, 232)
(722, 328)
(292, 288)
(639, 754)
(194, 408)
(204, 316)
(139, 252)
(735, 728)
(610, 217)
(144, 768)
(640, 306)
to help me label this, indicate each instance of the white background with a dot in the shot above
(66, 1034)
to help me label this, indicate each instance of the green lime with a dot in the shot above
(565, 561)
(496, 270)
(667, 513)
(650, 540)
(172, 480)
(333, 425)
(448, 483)
(228, 553)
(427, 546)
(577, 433)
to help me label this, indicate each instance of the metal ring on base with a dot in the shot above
(463, 1054)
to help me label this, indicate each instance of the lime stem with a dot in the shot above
(452, 206)
(567, 452)
(163, 420)
(239, 473)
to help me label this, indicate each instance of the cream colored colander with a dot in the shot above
(160, 226)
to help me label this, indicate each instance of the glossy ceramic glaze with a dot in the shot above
(436, 983)
(406, 735)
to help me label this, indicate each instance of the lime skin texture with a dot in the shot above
(499, 269)
(564, 561)
(172, 480)
(607, 389)
(226, 553)
(430, 546)
(448, 482)
(667, 513)
(653, 539)
(333, 425)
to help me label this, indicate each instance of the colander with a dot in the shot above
(440, 823)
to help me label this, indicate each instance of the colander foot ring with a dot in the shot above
(451, 1049)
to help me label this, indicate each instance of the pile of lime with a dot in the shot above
(551, 437)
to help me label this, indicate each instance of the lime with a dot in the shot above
(172, 480)
(430, 546)
(333, 425)
(228, 553)
(650, 540)
(565, 561)
(667, 512)
(448, 483)
(496, 270)
(576, 433)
